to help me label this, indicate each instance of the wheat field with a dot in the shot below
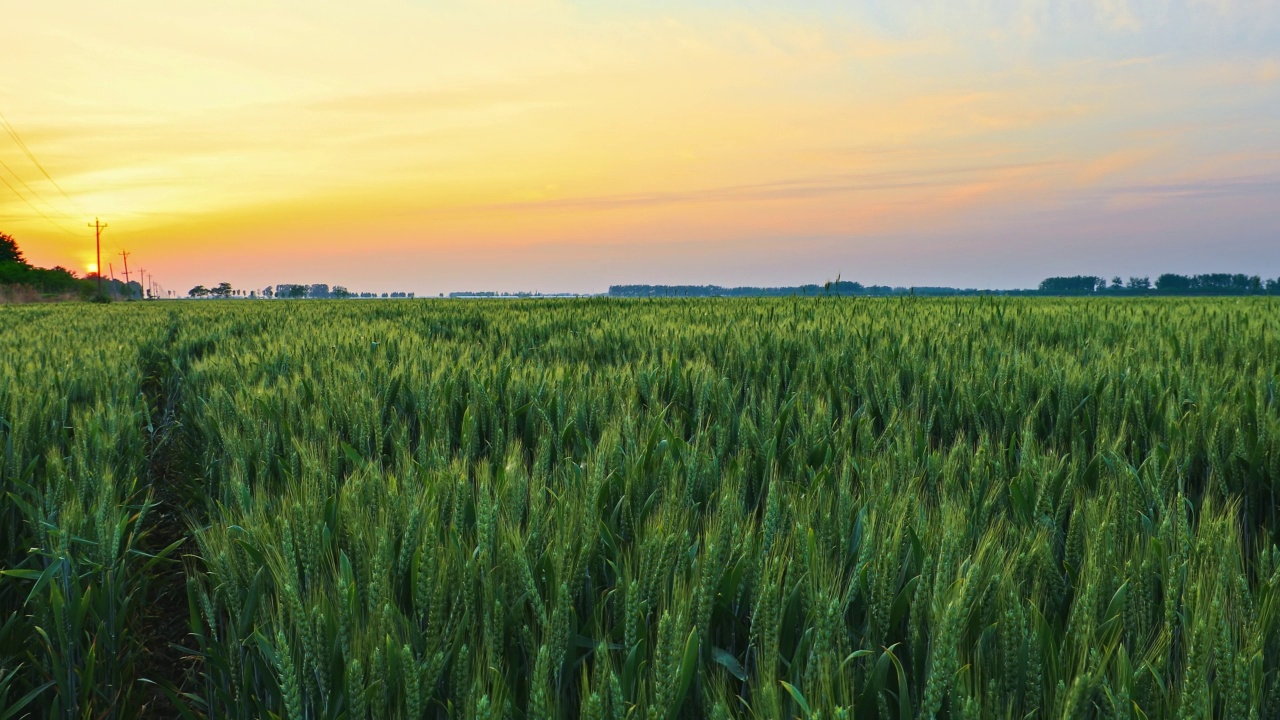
(642, 510)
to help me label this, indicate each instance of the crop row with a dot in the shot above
(814, 508)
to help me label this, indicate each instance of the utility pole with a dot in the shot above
(98, 227)
(142, 278)
(125, 255)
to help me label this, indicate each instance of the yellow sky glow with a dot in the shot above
(500, 145)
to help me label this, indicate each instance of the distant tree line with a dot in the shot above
(1167, 284)
(318, 291)
(466, 294)
(287, 291)
(16, 272)
(838, 287)
(841, 288)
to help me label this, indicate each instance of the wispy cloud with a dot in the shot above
(427, 101)
(443, 127)
(1239, 10)
(1208, 188)
(1242, 71)
(800, 188)
(1116, 15)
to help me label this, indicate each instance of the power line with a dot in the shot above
(33, 192)
(97, 226)
(97, 268)
(31, 156)
(17, 139)
(33, 207)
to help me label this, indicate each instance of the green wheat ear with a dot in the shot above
(768, 508)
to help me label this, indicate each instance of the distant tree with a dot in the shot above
(1221, 283)
(1074, 285)
(222, 291)
(56, 281)
(198, 291)
(9, 251)
(340, 292)
(1117, 283)
(1139, 283)
(319, 290)
(12, 273)
(297, 291)
(266, 292)
(1170, 282)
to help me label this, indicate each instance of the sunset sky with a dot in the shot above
(569, 145)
